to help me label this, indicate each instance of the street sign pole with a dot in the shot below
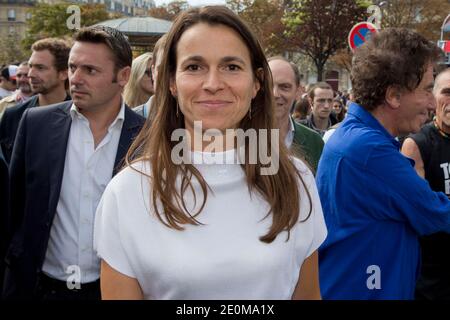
(443, 25)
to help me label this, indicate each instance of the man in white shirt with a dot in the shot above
(63, 158)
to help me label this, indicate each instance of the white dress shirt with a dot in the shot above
(290, 134)
(87, 171)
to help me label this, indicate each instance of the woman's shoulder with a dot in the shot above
(305, 173)
(302, 167)
(130, 176)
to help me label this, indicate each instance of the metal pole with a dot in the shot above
(442, 28)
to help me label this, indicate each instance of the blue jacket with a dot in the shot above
(375, 208)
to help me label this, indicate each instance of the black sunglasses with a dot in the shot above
(149, 74)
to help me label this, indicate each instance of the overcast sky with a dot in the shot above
(193, 2)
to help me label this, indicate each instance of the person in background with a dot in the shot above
(23, 92)
(430, 150)
(375, 204)
(302, 109)
(302, 141)
(144, 109)
(320, 97)
(48, 80)
(140, 87)
(338, 109)
(228, 230)
(7, 80)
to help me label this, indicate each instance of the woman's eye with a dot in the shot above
(192, 67)
(233, 67)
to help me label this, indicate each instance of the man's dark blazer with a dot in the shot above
(4, 200)
(36, 172)
(10, 123)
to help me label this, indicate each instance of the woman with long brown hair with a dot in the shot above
(225, 222)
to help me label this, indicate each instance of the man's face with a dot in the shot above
(44, 78)
(416, 105)
(322, 104)
(285, 88)
(23, 81)
(442, 96)
(94, 82)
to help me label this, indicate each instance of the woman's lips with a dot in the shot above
(214, 104)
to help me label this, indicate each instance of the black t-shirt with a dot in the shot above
(434, 280)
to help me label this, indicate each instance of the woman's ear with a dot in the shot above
(259, 78)
(173, 87)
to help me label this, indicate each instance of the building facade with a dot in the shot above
(13, 16)
(125, 7)
(15, 13)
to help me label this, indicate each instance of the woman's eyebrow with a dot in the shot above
(232, 59)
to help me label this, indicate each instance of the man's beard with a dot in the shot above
(25, 88)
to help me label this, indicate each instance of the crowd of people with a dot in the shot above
(110, 191)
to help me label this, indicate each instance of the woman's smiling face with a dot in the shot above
(214, 81)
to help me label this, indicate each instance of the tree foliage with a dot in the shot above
(168, 11)
(10, 50)
(51, 20)
(319, 28)
(424, 16)
(264, 17)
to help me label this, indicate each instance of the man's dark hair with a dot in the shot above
(4, 72)
(58, 48)
(394, 57)
(112, 38)
(318, 85)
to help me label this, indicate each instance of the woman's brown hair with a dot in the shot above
(153, 144)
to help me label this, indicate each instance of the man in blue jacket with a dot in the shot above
(375, 205)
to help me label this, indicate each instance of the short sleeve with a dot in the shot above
(107, 240)
(319, 229)
(312, 231)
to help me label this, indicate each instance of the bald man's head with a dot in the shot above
(439, 81)
(441, 93)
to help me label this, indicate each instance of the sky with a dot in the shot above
(193, 2)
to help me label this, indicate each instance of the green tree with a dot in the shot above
(264, 17)
(168, 11)
(424, 16)
(319, 28)
(10, 50)
(51, 20)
